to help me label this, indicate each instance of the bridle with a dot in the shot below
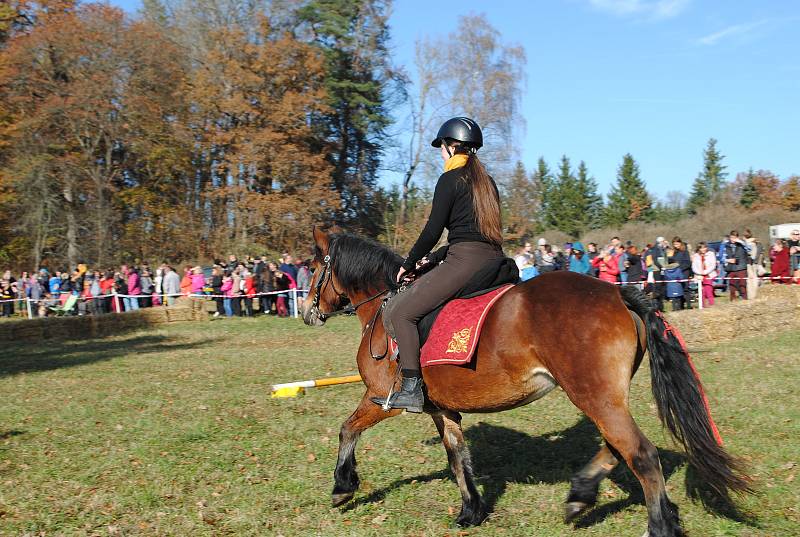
(327, 276)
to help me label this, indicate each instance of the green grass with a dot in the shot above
(173, 432)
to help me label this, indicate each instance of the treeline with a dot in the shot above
(199, 128)
(194, 129)
(566, 199)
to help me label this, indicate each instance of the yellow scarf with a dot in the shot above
(456, 161)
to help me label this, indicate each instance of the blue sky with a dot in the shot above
(656, 78)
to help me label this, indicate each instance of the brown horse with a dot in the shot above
(559, 329)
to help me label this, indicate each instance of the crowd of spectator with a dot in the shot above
(673, 270)
(238, 287)
(667, 270)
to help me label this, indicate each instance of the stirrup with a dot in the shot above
(410, 405)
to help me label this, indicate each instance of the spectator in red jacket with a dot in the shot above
(779, 254)
(249, 291)
(607, 265)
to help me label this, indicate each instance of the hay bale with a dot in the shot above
(27, 329)
(178, 313)
(199, 312)
(60, 328)
(154, 315)
(776, 309)
(80, 327)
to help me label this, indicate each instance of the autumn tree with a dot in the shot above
(758, 189)
(521, 204)
(790, 193)
(84, 85)
(267, 163)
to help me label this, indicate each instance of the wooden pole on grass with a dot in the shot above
(293, 389)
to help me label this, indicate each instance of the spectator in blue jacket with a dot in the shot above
(579, 261)
(287, 266)
(55, 284)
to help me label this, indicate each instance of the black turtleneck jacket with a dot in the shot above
(452, 209)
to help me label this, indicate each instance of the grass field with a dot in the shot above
(172, 432)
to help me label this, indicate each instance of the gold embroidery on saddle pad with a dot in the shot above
(460, 341)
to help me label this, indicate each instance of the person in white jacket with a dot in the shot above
(704, 266)
(171, 285)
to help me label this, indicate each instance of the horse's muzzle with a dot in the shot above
(311, 317)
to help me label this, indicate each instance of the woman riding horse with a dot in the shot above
(467, 203)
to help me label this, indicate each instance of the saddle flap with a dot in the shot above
(454, 335)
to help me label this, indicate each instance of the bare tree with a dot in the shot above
(470, 72)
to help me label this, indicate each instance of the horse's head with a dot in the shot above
(324, 296)
(347, 267)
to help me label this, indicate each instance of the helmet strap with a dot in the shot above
(447, 148)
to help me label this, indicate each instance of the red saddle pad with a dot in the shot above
(454, 335)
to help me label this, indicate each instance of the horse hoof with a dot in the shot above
(572, 510)
(471, 518)
(341, 498)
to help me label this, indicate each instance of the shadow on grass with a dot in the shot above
(724, 506)
(501, 456)
(8, 434)
(49, 355)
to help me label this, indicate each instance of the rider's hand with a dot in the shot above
(400, 273)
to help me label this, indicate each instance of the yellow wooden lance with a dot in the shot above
(293, 389)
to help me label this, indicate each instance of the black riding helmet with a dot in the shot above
(462, 129)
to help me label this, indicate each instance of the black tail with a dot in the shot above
(681, 402)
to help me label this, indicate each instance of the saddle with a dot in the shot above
(490, 277)
(494, 277)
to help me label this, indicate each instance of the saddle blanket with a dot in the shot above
(454, 336)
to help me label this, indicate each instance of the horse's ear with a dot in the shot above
(320, 238)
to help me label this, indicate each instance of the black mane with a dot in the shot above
(362, 264)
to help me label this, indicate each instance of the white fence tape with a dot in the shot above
(294, 292)
(294, 296)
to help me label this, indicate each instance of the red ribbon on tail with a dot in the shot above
(668, 328)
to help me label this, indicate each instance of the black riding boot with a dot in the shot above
(409, 397)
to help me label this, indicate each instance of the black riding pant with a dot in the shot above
(432, 289)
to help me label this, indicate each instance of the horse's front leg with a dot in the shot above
(473, 511)
(345, 476)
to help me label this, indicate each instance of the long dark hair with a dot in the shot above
(485, 199)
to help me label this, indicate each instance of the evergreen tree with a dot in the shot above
(570, 202)
(353, 35)
(565, 204)
(628, 199)
(750, 192)
(590, 199)
(710, 180)
(563, 196)
(544, 178)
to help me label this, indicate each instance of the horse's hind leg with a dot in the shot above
(473, 511)
(345, 476)
(585, 484)
(618, 428)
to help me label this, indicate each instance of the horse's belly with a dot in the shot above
(495, 395)
(539, 383)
